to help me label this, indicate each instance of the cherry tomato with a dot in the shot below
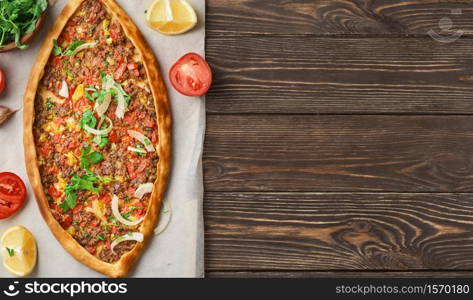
(12, 194)
(2, 81)
(191, 75)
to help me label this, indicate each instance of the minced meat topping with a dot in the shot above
(82, 169)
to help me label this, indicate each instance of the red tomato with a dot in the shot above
(2, 81)
(46, 149)
(132, 66)
(82, 104)
(78, 208)
(66, 221)
(12, 194)
(154, 137)
(130, 117)
(113, 137)
(191, 75)
(130, 191)
(119, 71)
(54, 192)
(150, 123)
(106, 199)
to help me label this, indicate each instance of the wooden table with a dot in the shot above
(339, 138)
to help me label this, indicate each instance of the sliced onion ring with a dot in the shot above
(133, 236)
(118, 215)
(101, 109)
(142, 139)
(83, 47)
(136, 150)
(121, 106)
(164, 218)
(100, 132)
(143, 189)
(64, 91)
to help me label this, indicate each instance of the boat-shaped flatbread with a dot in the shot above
(97, 135)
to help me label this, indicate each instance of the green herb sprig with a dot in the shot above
(17, 18)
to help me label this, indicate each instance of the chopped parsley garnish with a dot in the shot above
(69, 73)
(139, 146)
(132, 209)
(10, 251)
(49, 104)
(69, 50)
(100, 237)
(57, 49)
(88, 119)
(113, 220)
(86, 183)
(88, 158)
(101, 141)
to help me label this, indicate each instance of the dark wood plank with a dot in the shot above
(309, 274)
(336, 16)
(340, 75)
(344, 231)
(339, 153)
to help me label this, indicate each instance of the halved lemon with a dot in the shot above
(171, 17)
(18, 248)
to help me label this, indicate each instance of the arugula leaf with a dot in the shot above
(10, 251)
(88, 119)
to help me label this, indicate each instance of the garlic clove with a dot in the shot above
(5, 113)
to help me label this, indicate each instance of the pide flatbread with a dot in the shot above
(97, 135)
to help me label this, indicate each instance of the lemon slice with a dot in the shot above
(18, 248)
(171, 17)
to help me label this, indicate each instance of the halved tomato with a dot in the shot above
(2, 81)
(191, 75)
(12, 194)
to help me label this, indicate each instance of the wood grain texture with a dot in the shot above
(344, 231)
(339, 153)
(340, 75)
(354, 17)
(343, 274)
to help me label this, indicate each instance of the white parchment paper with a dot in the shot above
(178, 251)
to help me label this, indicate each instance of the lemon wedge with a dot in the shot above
(171, 17)
(18, 248)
